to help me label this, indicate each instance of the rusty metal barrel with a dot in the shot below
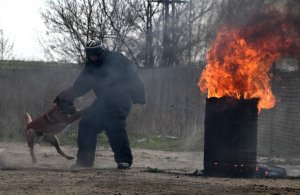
(230, 138)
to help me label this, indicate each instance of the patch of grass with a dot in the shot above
(12, 136)
(71, 138)
(167, 143)
(67, 137)
(154, 170)
(103, 139)
(153, 142)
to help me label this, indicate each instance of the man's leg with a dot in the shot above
(118, 105)
(89, 127)
(87, 140)
(119, 142)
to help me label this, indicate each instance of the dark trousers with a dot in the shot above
(108, 114)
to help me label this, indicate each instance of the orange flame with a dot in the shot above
(239, 60)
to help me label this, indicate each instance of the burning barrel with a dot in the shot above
(238, 70)
(230, 145)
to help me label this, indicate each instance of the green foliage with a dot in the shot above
(153, 142)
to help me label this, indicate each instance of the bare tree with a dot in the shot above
(139, 39)
(135, 27)
(239, 12)
(173, 41)
(190, 31)
(121, 21)
(6, 46)
(70, 24)
(145, 12)
(186, 31)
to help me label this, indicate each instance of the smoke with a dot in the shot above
(274, 23)
(267, 21)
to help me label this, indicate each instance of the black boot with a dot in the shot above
(84, 160)
(123, 165)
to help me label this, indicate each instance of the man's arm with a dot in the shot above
(80, 87)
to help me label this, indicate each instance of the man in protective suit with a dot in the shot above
(117, 85)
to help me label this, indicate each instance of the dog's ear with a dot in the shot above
(56, 100)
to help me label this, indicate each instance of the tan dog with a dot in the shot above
(46, 126)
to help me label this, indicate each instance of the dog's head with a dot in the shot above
(65, 106)
(68, 109)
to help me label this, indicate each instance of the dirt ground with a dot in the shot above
(52, 175)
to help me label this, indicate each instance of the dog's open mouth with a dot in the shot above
(70, 110)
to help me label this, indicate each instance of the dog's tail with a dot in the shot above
(27, 118)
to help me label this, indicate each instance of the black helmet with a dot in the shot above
(93, 47)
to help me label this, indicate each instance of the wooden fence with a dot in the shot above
(174, 106)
